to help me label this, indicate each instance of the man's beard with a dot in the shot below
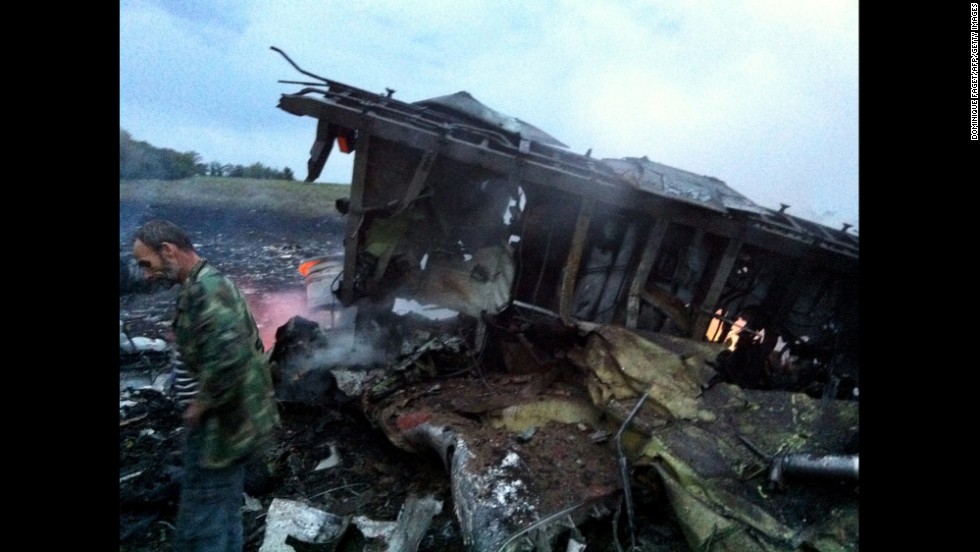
(169, 274)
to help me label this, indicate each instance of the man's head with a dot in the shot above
(164, 251)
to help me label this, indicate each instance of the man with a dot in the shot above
(230, 411)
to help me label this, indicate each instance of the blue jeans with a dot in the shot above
(209, 515)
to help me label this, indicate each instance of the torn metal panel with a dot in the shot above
(430, 238)
(452, 149)
(463, 103)
(412, 523)
(290, 522)
(704, 191)
(494, 148)
(403, 534)
(290, 519)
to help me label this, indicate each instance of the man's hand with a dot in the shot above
(193, 413)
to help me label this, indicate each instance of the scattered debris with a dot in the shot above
(567, 350)
(290, 519)
(616, 295)
(330, 461)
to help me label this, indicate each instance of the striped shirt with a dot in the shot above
(225, 367)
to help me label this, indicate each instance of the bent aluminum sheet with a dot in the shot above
(663, 180)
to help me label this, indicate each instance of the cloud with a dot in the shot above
(761, 94)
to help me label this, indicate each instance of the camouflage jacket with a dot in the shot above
(220, 344)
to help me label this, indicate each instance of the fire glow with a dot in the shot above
(715, 328)
(272, 310)
(305, 268)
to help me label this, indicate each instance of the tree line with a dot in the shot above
(141, 160)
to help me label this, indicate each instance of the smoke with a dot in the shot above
(318, 364)
(348, 349)
(432, 312)
(272, 310)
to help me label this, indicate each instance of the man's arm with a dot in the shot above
(221, 343)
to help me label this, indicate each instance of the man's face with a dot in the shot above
(157, 265)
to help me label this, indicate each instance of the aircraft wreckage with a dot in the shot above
(607, 324)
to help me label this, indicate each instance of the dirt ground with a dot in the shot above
(261, 252)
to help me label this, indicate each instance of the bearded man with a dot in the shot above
(230, 411)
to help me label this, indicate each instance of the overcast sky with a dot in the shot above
(760, 94)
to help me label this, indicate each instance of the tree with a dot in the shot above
(141, 160)
(181, 165)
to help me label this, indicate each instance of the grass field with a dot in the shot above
(294, 197)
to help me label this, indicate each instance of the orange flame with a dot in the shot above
(306, 267)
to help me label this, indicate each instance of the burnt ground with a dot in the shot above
(261, 251)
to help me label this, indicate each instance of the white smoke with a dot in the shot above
(347, 348)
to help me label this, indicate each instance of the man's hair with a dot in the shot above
(156, 232)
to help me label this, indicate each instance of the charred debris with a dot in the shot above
(695, 342)
(561, 332)
(705, 345)
(455, 204)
